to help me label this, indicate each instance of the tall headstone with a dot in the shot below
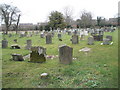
(48, 39)
(4, 43)
(38, 54)
(65, 54)
(90, 40)
(106, 42)
(109, 37)
(75, 39)
(29, 44)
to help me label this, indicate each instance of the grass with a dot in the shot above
(97, 69)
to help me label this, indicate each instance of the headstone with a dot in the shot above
(10, 35)
(4, 43)
(29, 44)
(69, 33)
(65, 54)
(82, 37)
(48, 39)
(17, 57)
(106, 42)
(109, 37)
(59, 36)
(38, 54)
(42, 35)
(75, 39)
(90, 40)
(98, 37)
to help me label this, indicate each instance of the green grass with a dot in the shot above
(97, 69)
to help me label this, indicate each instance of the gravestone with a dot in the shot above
(10, 35)
(65, 54)
(106, 42)
(109, 37)
(29, 44)
(38, 54)
(98, 37)
(75, 32)
(90, 40)
(75, 39)
(42, 35)
(59, 36)
(82, 37)
(48, 39)
(69, 33)
(4, 43)
(17, 57)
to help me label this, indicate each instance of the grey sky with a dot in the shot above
(34, 11)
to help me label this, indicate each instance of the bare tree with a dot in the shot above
(9, 15)
(86, 19)
(68, 14)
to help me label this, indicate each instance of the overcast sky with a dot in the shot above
(34, 11)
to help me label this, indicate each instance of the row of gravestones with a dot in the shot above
(38, 55)
(75, 40)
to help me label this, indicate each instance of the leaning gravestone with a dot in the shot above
(17, 57)
(29, 44)
(65, 54)
(38, 54)
(48, 39)
(109, 37)
(4, 43)
(75, 39)
(90, 40)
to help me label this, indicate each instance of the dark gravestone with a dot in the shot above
(65, 54)
(98, 37)
(4, 43)
(75, 39)
(29, 44)
(17, 57)
(59, 36)
(90, 40)
(38, 54)
(106, 42)
(48, 39)
(109, 37)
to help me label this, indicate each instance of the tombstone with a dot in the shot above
(15, 40)
(69, 33)
(59, 36)
(15, 46)
(98, 37)
(42, 35)
(10, 35)
(65, 54)
(75, 39)
(38, 54)
(109, 37)
(90, 40)
(29, 44)
(21, 35)
(75, 32)
(82, 37)
(4, 43)
(106, 42)
(17, 57)
(48, 39)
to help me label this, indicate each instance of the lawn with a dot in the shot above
(97, 69)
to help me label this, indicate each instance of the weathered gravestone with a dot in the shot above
(42, 35)
(48, 39)
(38, 54)
(106, 42)
(90, 40)
(109, 37)
(75, 39)
(17, 57)
(65, 54)
(4, 43)
(29, 44)
(59, 36)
